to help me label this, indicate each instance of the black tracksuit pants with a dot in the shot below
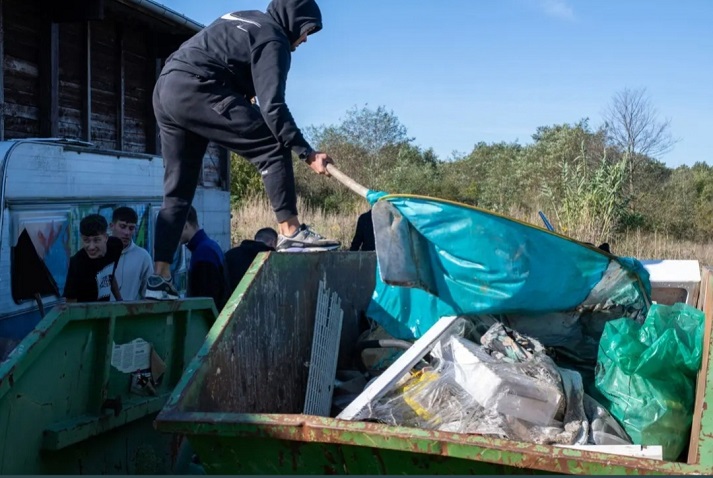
(191, 111)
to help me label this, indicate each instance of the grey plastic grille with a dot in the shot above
(325, 351)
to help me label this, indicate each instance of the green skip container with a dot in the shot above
(240, 401)
(67, 405)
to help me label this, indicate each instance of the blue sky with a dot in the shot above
(457, 72)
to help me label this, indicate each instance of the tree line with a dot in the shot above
(605, 180)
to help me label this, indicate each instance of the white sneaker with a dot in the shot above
(305, 239)
(158, 288)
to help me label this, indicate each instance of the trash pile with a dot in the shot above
(483, 377)
(518, 332)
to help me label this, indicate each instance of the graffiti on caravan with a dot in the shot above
(141, 238)
(55, 235)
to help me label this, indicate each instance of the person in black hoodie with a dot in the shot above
(364, 235)
(205, 93)
(238, 259)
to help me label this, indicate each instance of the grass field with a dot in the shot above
(252, 214)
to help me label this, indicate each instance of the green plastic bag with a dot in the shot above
(648, 374)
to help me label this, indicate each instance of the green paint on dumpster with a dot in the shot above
(54, 384)
(240, 400)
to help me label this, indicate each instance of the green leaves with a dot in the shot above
(572, 172)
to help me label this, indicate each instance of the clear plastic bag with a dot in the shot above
(453, 394)
(603, 427)
(431, 399)
(527, 391)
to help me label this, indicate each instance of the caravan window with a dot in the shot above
(39, 260)
(55, 234)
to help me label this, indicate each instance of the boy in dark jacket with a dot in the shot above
(206, 272)
(204, 94)
(90, 277)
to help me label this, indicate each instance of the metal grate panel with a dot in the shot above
(325, 351)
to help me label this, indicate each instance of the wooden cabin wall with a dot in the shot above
(71, 77)
(21, 41)
(140, 76)
(50, 91)
(104, 67)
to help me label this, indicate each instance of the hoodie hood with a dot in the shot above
(255, 246)
(296, 16)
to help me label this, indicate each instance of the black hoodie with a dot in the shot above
(251, 52)
(238, 259)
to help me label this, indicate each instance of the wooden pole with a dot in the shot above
(120, 88)
(87, 97)
(49, 79)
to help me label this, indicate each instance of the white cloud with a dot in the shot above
(557, 8)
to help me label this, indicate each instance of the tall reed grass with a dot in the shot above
(254, 213)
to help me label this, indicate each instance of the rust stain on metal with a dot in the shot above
(9, 375)
(176, 443)
(39, 332)
(134, 309)
(304, 429)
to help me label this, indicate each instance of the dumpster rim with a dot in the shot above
(33, 344)
(326, 430)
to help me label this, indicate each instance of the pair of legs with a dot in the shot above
(191, 111)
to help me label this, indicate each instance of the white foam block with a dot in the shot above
(494, 385)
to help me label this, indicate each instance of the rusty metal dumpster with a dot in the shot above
(240, 400)
(70, 401)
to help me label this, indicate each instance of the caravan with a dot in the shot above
(48, 185)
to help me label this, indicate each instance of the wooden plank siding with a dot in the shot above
(104, 73)
(71, 79)
(88, 80)
(49, 79)
(138, 89)
(22, 37)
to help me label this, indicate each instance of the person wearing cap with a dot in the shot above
(206, 92)
(90, 277)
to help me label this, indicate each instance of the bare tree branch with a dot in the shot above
(633, 126)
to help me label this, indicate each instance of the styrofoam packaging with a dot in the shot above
(499, 385)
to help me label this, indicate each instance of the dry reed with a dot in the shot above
(255, 213)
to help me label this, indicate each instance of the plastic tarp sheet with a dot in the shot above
(540, 283)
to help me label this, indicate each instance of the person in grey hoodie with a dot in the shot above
(227, 84)
(135, 264)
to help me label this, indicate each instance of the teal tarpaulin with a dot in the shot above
(483, 263)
